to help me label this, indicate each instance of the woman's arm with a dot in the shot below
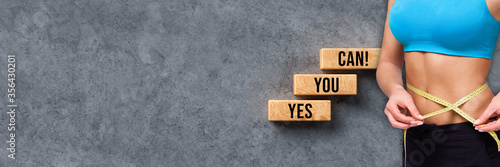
(391, 61)
(494, 106)
(390, 80)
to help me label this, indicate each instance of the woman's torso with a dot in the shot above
(448, 48)
(449, 78)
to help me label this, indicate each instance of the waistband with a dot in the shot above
(453, 132)
(449, 128)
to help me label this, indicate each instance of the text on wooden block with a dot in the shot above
(349, 58)
(299, 110)
(324, 84)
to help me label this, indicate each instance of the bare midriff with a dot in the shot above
(449, 78)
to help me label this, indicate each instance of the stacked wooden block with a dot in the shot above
(324, 84)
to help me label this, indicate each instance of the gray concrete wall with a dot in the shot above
(186, 83)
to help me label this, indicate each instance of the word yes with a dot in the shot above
(299, 110)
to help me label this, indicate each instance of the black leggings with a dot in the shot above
(451, 145)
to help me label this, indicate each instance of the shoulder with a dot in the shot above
(494, 8)
(389, 4)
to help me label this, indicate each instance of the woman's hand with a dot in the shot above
(397, 117)
(491, 125)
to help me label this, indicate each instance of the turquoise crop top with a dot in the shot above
(451, 27)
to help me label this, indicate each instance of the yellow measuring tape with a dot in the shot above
(449, 107)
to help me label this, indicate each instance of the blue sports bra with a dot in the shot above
(451, 27)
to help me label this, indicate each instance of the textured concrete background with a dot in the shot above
(186, 83)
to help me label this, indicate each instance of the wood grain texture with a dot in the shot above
(317, 110)
(329, 84)
(349, 58)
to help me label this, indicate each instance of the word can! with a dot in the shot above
(349, 58)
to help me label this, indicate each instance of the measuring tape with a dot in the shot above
(449, 107)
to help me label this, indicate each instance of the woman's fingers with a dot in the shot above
(396, 113)
(491, 126)
(489, 121)
(413, 110)
(394, 122)
(485, 116)
(494, 125)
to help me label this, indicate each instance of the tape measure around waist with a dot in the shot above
(449, 107)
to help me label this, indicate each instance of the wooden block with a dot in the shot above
(324, 84)
(349, 58)
(299, 110)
